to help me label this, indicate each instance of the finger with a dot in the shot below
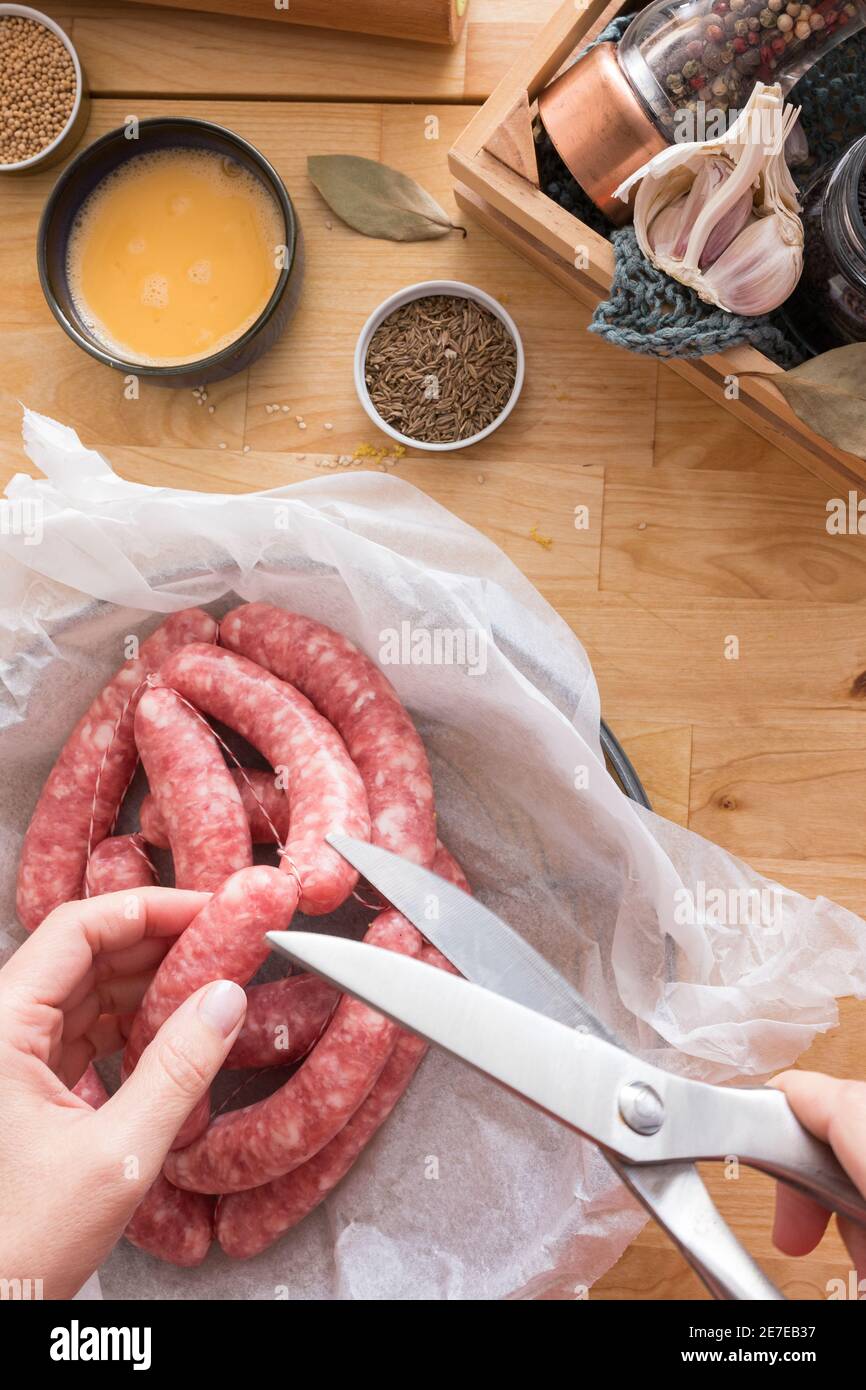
(121, 996)
(799, 1224)
(106, 1036)
(835, 1111)
(854, 1237)
(136, 960)
(50, 964)
(129, 960)
(173, 1074)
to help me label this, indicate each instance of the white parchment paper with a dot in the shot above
(694, 959)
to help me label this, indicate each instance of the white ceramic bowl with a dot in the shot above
(71, 133)
(420, 291)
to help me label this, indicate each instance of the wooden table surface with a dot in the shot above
(698, 528)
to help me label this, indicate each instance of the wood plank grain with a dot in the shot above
(492, 496)
(666, 660)
(218, 56)
(421, 21)
(727, 534)
(490, 53)
(692, 432)
(144, 50)
(815, 878)
(755, 790)
(662, 756)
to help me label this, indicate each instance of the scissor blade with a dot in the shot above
(573, 1076)
(483, 948)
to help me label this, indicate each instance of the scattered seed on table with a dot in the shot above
(222, 444)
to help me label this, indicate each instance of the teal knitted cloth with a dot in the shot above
(650, 313)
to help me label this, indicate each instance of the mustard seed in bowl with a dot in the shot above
(38, 85)
(441, 368)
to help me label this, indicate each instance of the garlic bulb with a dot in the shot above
(722, 215)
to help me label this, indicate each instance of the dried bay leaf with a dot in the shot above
(829, 394)
(377, 200)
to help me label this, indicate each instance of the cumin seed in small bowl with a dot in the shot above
(439, 366)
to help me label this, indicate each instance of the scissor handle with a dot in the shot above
(755, 1125)
(675, 1196)
(774, 1141)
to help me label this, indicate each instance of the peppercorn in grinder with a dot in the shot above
(682, 69)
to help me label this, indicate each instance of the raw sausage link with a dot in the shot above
(446, 866)
(226, 941)
(248, 1222)
(284, 1020)
(324, 790)
(265, 803)
(79, 802)
(250, 1146)
(90, 1088)
(193, 791)
(352, 693)
(172, 1225)
(117, 864)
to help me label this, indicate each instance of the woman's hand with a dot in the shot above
(71, 1177)
(835, 1111)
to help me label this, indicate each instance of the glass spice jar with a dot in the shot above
(678, 54)
(828, 307)
(679, 73)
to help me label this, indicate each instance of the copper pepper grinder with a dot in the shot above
(679, 71)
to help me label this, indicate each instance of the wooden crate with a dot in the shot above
(496, 180)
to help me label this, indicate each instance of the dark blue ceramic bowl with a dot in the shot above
(80, 178)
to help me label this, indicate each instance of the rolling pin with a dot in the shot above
(427, 21)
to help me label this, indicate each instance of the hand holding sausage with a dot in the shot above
(71, 1178)
(339, 744)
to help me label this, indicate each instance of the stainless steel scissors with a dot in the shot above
(517, 1019)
